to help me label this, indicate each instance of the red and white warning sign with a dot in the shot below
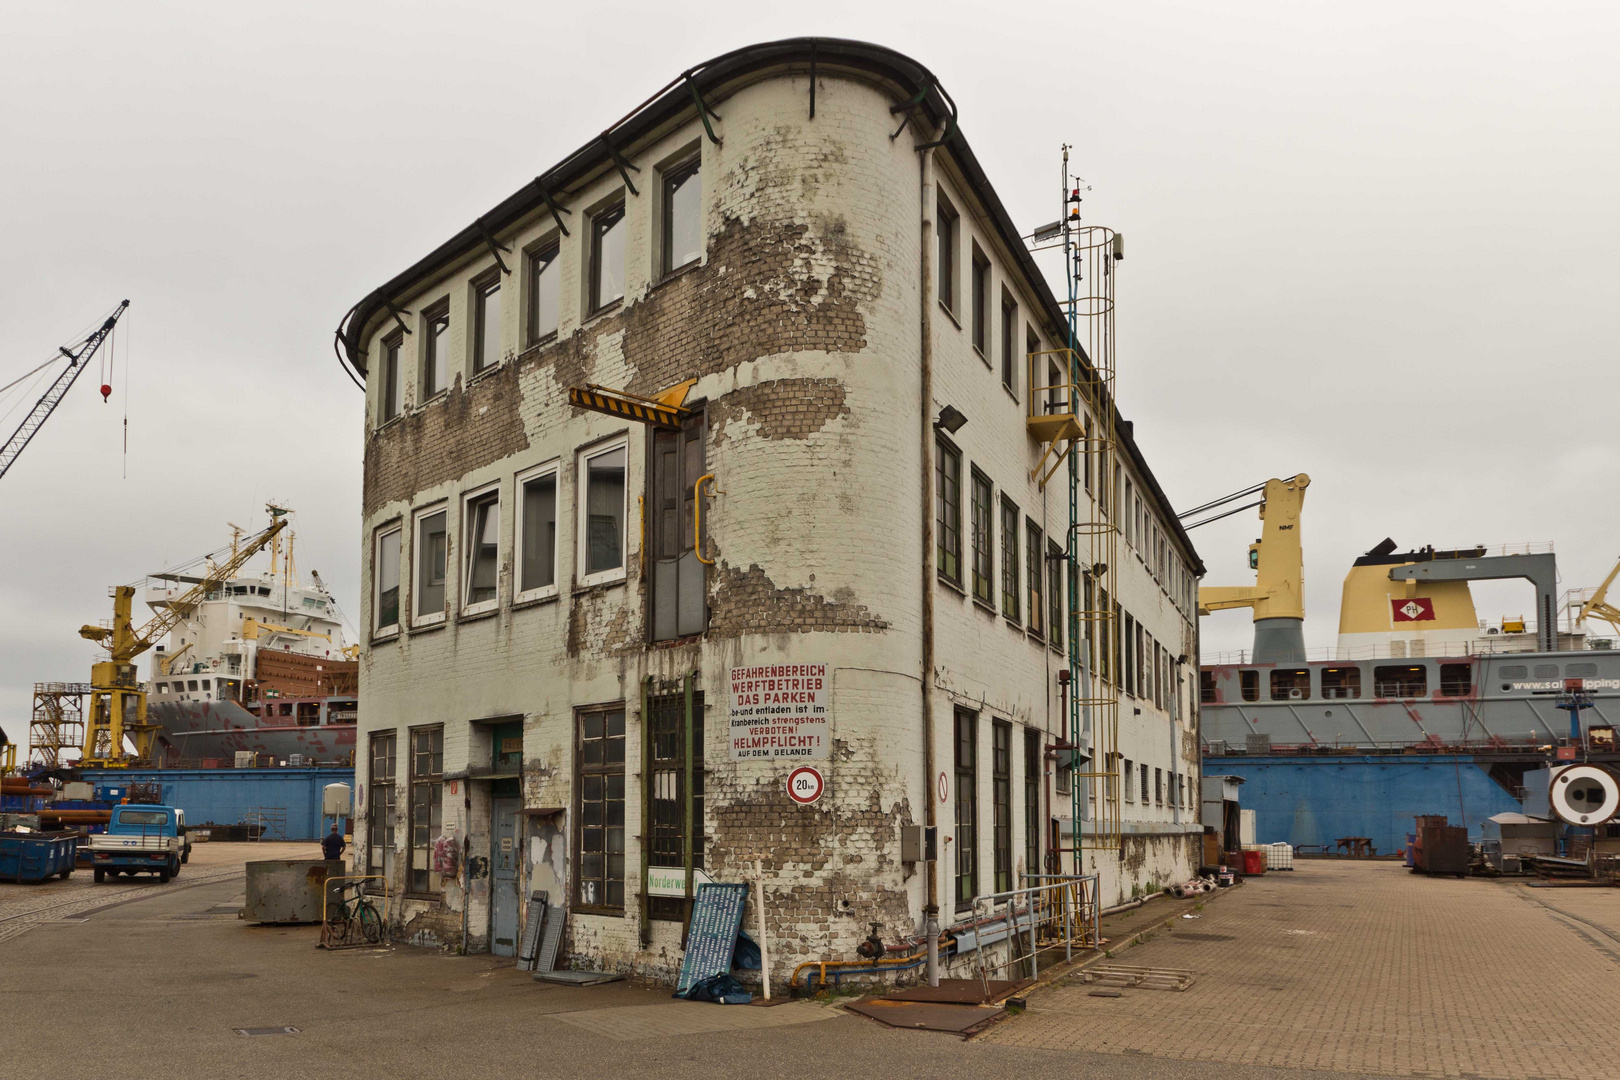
(1419, 609)
(779, 711)
(805, 785)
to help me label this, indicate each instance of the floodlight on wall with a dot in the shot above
(950, 420)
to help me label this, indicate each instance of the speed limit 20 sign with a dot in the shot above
(805, 785)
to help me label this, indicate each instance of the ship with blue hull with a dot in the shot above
(1420, 707)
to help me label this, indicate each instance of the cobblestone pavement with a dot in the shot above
(22, 907)
(1365, 967)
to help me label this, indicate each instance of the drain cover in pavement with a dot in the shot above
(266, 1031)
(577, 978)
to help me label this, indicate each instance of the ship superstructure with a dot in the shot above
(262, 665)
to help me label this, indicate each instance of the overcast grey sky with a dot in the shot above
(1371, 242)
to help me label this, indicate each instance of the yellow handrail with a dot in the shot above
(697, 515)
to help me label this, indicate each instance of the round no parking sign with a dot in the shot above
(805, 785)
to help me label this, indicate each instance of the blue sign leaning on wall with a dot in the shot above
(717, 915)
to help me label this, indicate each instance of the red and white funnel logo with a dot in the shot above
(1417, 610)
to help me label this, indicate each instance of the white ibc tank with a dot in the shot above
(336, 799)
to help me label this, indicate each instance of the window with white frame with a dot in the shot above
(385, 581)
(432, 556)
(481, 548)
(537, 533)
(602, 511)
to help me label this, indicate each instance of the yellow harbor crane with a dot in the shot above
(117, 699)
(1598, 607)
(1277, 558)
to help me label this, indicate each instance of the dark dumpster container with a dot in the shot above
(1442, 849)
(36, 856)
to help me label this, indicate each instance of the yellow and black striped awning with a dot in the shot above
(659, 413)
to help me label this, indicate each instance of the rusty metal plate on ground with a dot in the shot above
(927, 1015)
(959, 992)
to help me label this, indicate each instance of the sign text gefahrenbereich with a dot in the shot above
(779, 711)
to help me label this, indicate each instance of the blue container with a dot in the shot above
(37, 856)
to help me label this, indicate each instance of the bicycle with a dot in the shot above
(354, 921)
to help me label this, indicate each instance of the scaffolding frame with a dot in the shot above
(57, 721)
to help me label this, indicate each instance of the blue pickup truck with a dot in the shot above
(140, 840)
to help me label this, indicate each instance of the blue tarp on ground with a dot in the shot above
(1309, 801)
(234, 796)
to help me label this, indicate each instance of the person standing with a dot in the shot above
(332, 845)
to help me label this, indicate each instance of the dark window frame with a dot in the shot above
(396, 529)
(666, 713)
(947, 511)
(435, 347)
(1033, 757)
(1001, 805)
(543, 260)
(1035, 577)
(610, 766)
(1405, 681)
(1056, 601)
(392, 391)
(1009, 336)
(426, 799)
(980, 299)
(471, 505)
(966, 769)
(1284, 681)
(382, 803)
(603, 222)
(983, 525)
(672, 178)
(485, 287)
(947, 228)
(1011, 585)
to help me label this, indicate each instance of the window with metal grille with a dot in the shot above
(427, 806)
(599, 809)
(1010, 605)
(967, 807)
(1032, 801)
(983, 565)
(381, 804)
(674, 743)
(948, 510)
(1001, 802)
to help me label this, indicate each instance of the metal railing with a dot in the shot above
(1057, 911)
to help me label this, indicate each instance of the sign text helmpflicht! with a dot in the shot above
(779, 711)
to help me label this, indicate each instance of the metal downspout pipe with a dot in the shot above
(926, 409)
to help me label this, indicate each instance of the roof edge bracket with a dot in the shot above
(704, 112)
(495, 248)
(551, 204)
(399, 316)
(623, 166)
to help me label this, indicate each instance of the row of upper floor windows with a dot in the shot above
(427, 357)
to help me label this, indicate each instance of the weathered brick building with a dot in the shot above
(568, 624)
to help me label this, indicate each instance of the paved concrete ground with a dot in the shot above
(1365, 967)
(172, 973)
